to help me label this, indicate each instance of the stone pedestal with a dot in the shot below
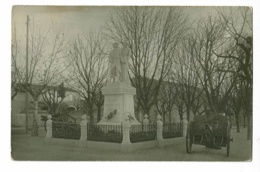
(49, 129)
(119, 101)
(160, 141)
(126, 145)
(83, 127)
(185, 126)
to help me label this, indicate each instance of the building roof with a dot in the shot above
(21, 89)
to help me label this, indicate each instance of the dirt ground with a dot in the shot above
(25, 147)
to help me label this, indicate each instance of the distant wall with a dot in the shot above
(19, 119)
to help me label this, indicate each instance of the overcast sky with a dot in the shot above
(77, 18)
(74, 19)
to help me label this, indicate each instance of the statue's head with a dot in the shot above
(115, 45)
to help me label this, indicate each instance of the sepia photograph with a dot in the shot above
(131, 83)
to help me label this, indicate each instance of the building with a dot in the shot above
(18, 107)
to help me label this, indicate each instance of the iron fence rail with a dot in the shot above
(113, 133)
(142, 132)
(104, 133)
(66, 130)
(172, 130)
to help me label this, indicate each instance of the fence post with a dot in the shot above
(83, 128)
(160, 141)
(145, 120)
(49, 129)
(126, 145)
(146, 123)
(185, 125)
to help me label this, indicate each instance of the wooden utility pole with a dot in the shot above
(26, 66)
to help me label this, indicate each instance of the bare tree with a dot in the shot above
(53, 96)
(181, 108)
(161, 108)
(166, 100)
(235, 104)
(152, 34)
(238, 23)
(89, 69)
(187, 81)
(14, 76)
(43, 57)
(217, 84)
(15, 80)
(99, 102)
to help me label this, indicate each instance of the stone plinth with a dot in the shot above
(118, 101)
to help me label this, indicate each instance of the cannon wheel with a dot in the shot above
(228, 139)
(189, 138)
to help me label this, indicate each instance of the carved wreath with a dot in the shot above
(111, 114)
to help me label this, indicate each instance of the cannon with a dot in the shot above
(212, 132)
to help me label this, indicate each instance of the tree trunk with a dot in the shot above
(249, 127)
(249, 112)
(91, 111)
(170, 116)
(52, 112)
(244, 120)
(237, 122)
(13, 95)
(180, 109)
(35, 126)
(163, 115)
(188, 114)
(98, 113)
